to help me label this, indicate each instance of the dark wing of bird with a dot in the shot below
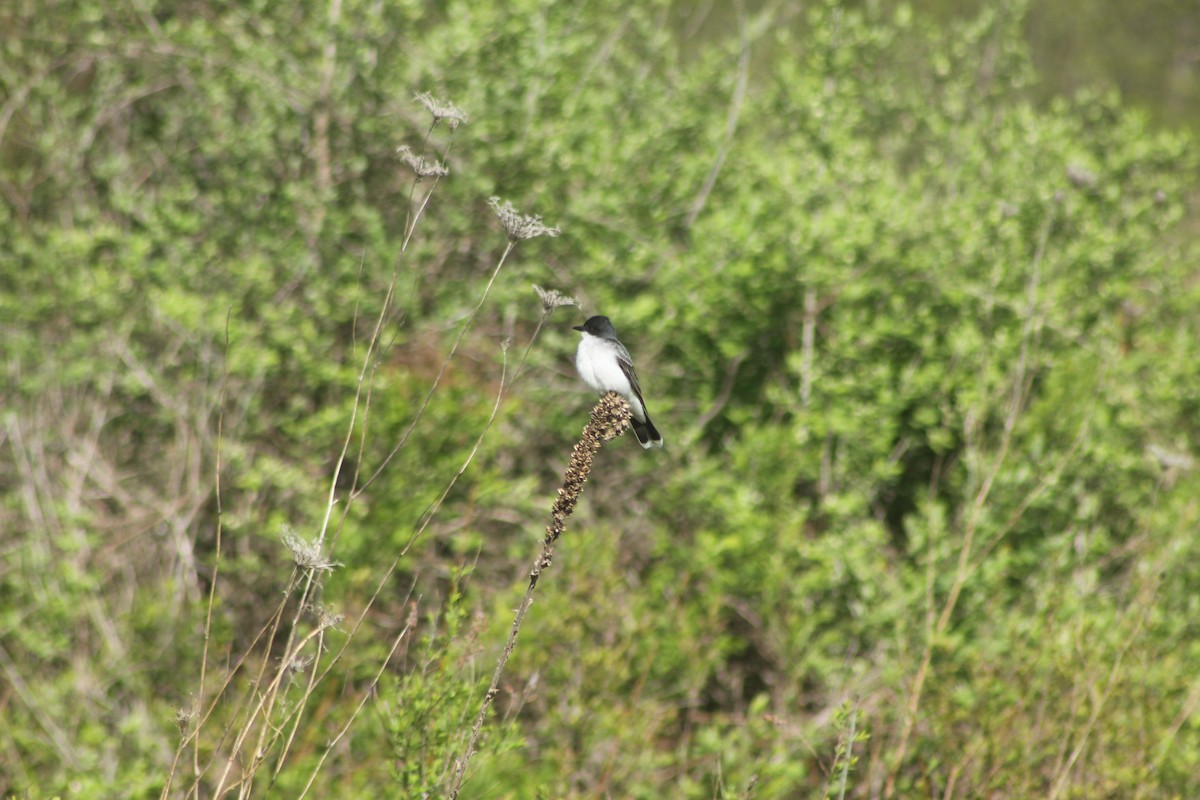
(625, 361)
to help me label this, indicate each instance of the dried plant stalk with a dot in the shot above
(610, 418)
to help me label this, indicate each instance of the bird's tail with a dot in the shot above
(647, 435)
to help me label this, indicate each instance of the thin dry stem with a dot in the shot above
(257, 681)
(257, 707)
(304, 554)
(262, 710)
(212, 588)
(1020, 387)
(426, 519)
(270, 625)
(368, 360)
(438, 378)
(367, 695)
(731, 121)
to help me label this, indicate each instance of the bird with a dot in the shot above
(606, 366)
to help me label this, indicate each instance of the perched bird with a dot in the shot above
(606, 366)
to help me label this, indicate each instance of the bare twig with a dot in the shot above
(367, 695)
(1021, 384)
(731, 121)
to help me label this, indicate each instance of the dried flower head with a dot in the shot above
(552, 299)
(184, 718)
(442, 111)
(519, 226)
(326, 616)
(422, 168)
(610, 418)
(295, 668)
(308, 555)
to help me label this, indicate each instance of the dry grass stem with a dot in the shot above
(1020, 388)
(253, 730)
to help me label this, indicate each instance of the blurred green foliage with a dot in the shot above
(924, 352)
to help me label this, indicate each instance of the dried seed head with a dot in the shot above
(519, 226)
(295, 668)
(308, 555)
(610, 418)
(552, 299)
(442, 111)
(184, 718)
(422, 168)
(326, 616)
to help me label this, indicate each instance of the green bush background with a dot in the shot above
(922, 340)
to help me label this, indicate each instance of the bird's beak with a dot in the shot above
(577, 327)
